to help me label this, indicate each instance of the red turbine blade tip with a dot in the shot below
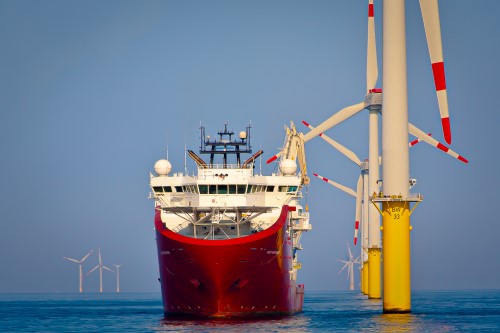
(414, 142)
(463, 159)
(355, 241)
(315, 174)
(370, 10)
(446, 129)
(272, 159)
(305, 123)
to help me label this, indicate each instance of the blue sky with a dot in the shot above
(92, 92)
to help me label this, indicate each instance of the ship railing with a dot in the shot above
(225, 166)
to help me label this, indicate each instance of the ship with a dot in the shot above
(227, 236)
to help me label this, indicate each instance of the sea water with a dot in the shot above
(432, 311)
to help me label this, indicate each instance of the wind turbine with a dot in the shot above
(362, 206)
(100, 266)
(80, 262)
(349, 264)
(373, 102)
(395, 168)
(117, 277)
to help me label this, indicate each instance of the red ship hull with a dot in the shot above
(242, 277)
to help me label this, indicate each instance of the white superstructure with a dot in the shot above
(226, 201)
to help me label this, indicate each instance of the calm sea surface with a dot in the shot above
(436, 311)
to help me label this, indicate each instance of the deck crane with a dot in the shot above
(294, 150)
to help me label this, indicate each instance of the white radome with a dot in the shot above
(243, 135)
(163, 167)
(288, 167)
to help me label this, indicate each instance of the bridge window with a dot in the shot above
(282, 188)
(249, 188)
(212, 189)
(203, 189)
(241, 189)
(167, 189)
(178, 189)
(158, 189)
(270, 189)
(232, 189)
(292, 189)
(222, 189)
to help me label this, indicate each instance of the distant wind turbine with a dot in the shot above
(117, 277)
(100, 266)
(80, 262)
(349, 264)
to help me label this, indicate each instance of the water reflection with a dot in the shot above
(402, 322)
(298, 323)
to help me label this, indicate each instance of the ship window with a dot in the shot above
(167, 189)
(283, 188)
(222, 189)
(270, 189)
(232, 189)
(195, 189)
(158, 189)
(254, 188)
(203, 189)
(241, 189)
(212, 189)
(292, 189)
(249, 189)
(178, 188)
(185, 189)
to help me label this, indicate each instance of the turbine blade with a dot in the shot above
(345, 151)
(71, 259)
(359, 197)
(430, 16)
(415, 131)
(93, 269)
(350, 253)
(88, 254)
(109, 269)
(336, 119)
(371, 51)
(414, 142)
(343, 267)
(337, 185)
(275, 157)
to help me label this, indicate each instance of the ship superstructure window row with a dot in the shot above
(225, 189)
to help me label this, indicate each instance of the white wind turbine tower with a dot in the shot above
(80, 262)
(117, 277)
(349, 264)
(100, 266)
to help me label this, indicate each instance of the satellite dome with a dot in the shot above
(243, 135)
(288, 167)
(163, 167)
